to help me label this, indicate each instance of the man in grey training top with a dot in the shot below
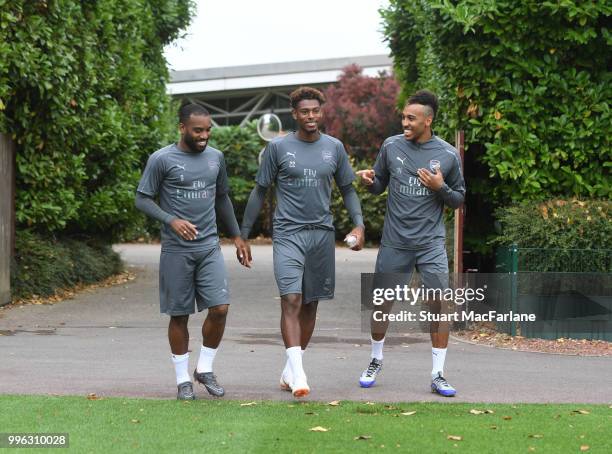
(191, 181)
(302, 166)
(422, 173)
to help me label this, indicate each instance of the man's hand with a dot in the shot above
(185, 229)
(433, 181)
(243, 251)
(359, 233)
(366, 176)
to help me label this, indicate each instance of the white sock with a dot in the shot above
(207, 356)
(377, 348)
(438, 355)
(294, 358)
(287, 369)
(181, 367)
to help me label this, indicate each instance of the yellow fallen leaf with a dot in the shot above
(408, 413)
(92, 396)
(248, 404)
(319, 429)
(454, 437)
(582, 412)
(135, 421)
(370, 403)
(507, 418)
(536, 436)
(363, 437)
(584, 448)
(334, 403)
(476, 412)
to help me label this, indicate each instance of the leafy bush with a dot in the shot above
(42, 265)
(528, 81)
(562, 224)
(82, 93)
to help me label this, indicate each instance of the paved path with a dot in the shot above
(112, 342)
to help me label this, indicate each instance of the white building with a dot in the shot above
(235, 95)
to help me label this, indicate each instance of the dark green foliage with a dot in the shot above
(42, 266)
(529, 81)
(373, 208)
(241, 148)
(558, 224)
(82, 92)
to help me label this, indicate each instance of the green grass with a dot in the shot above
(123, 425)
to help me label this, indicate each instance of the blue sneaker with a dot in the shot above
(441, 386)
(368, 377)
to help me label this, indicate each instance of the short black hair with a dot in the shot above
(425, 98)
(189, 109)
(305, 93)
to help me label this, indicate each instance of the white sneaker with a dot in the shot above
(299, 387)
(368, 376)
(286, 379)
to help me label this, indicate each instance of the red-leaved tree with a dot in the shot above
(361, 111)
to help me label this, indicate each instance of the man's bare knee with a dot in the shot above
(218, 313)
(291, 303)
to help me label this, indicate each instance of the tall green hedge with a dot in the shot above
(82, 93)
(529, 81)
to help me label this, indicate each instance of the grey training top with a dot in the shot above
(188, 184)
(303, 173)
(414, 217)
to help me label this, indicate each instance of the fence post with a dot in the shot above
(7, 216)
(459, 214)
(513, 285)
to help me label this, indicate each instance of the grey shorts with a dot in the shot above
(185, 278)
(305, 263)
(431, 263)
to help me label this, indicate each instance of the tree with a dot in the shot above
(82, 93)
(361, 111)
(528, 81)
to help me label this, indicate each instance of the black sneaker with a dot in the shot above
(209, 381)
(185, 391)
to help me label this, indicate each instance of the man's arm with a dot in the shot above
(451, 197)
(253, 207)
(451, 193)
(351, 202)
(147, 205)
(182, 228)
(376, 184)
(376, 180)
(225, 211)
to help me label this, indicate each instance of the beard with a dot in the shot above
(193, 144)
